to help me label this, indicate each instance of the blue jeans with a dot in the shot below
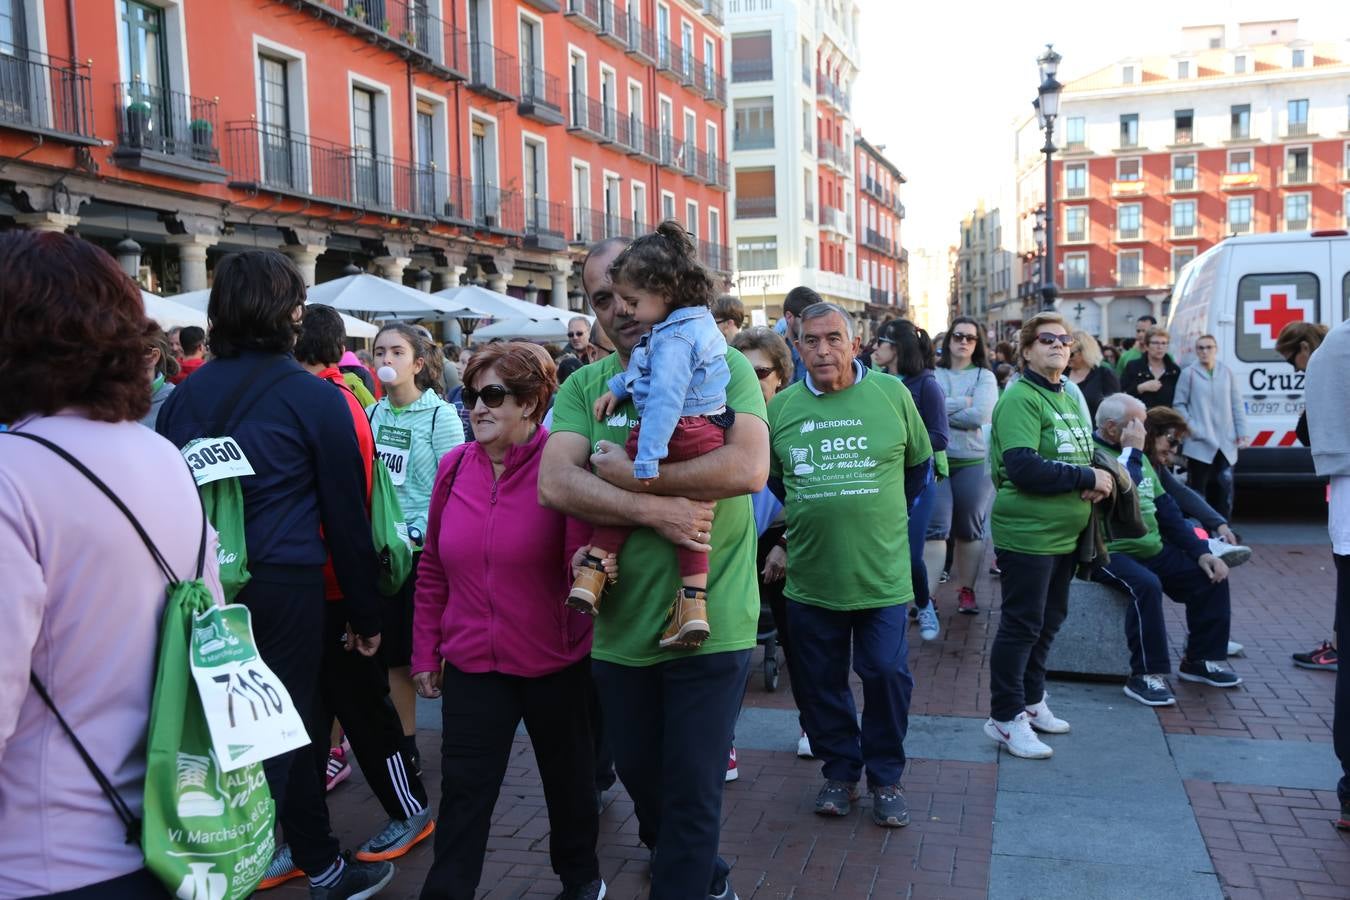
(919, 515)
(821, 643)
(670, 730)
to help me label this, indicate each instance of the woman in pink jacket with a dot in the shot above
(493, 638)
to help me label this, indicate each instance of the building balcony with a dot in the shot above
(874, 240)
(709, 83)
(45, 95)
(613, 25)
(1075, 237)
(713, 10)
(1296, 130)
(587, 226)
(492, 72)
(1184, 185)
(1135, 187)
(670, 59)
(753, 139)
(756, 207)
(718, 173)
(592, 120)
(638, 139)
(545, 224)
(716, 257)
(1074, 193)
(832, 219)
(546, 6)
(406, 27)
(540, 96)
(883, 297)
(743, 70)
(1185, 232)
(585, 13)
(269, 160)
(1240, 181)
(167, 133)
(641, 43)
(1129, 235)
(671, 153)
(809, 212)
(830, 155)
(1300, 176)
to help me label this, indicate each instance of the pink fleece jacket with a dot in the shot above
(495, 571)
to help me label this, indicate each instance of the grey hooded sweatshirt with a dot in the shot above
(1328, 422)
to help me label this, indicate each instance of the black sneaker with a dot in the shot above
(889, 809)
(1324, 658)
(723, 891)
(944, 577)
(1207, 672)
(1343, 823)
(1150, 690)
(595, 890)
(359, 880)
(836, 798)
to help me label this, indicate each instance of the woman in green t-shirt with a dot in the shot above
(1041, 452)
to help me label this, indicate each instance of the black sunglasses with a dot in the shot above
(1172, 440)
(762, 372)
(576, 334)
(493, 396)
(964, 338)
(1049, 340)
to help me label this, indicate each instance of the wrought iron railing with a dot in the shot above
(44, 93)
(168, 122)
(756, 207)
(409, 22)
(493, 71)
(540, 88)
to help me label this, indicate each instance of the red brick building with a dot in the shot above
(493, 138)
(882, 262)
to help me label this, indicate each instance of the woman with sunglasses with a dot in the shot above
(1041, 450)
(962, 502)
(493, 638)
(904, 350)
(413, 429)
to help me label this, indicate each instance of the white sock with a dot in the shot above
(329, 876)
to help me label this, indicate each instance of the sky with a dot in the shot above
(942, 83)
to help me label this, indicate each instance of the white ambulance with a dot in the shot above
(1243, 291)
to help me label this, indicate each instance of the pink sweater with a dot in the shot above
(83, 600)
(495, 571)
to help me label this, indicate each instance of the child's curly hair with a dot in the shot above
(666, 262)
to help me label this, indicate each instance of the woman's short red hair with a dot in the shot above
(526, 370)
(73, 331)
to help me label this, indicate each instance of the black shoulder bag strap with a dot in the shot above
(120, 807)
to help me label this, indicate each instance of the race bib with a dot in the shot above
(211, 459)
(248, 711)
(392, 446)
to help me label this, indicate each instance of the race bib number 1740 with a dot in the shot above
(248, 711)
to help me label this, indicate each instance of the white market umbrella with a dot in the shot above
(169, 313)
(364, 293)
(481, 303)
(523, 329)
(199, 300)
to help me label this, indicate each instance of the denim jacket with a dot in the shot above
(679, 368)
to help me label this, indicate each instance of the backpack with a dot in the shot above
(205, 832)
(217, 464)
(388, 528)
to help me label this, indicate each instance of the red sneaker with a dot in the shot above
(1324, 658)
(965, 602)
(732, 772)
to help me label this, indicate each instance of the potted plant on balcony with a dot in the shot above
(203, 142)
(357, 10)
(139, 121)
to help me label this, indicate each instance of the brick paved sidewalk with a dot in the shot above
(1264, 841)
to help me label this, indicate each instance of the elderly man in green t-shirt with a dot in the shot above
(673, 711)
(849, 455)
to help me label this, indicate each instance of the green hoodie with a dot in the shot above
(411, 441)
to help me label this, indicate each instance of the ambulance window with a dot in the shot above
(1266, 303)
(1345, 297)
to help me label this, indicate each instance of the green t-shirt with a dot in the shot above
(634, 608)
(1150, 545)
(1131, 354)
(842, 458)
(1052, 424)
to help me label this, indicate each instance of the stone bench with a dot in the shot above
(1092, 639)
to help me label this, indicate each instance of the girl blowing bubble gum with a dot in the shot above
(677, 378)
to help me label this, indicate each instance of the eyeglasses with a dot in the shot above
(886, 341)
(725, 320)
(1205, 348)
(493, 396)
(962, 338)
(762, 372)
(1158, 343)
(576, 334)
(1172, 440)
(1046, 339)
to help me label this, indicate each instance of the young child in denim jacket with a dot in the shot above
(677, 377)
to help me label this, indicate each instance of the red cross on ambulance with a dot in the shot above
(1277, 307)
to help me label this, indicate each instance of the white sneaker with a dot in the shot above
(1231, 554)
(1018, 737)
(1042, 719)
(1235, 649)
(928, 622)
(804, 747)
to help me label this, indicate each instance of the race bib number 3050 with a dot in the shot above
(211, 459)
(249, 713)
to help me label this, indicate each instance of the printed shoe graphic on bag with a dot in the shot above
(212, 637)
(193, 799)
(203, 884)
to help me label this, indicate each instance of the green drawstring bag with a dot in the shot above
(388, 530)
(224, 505)
(207, 834)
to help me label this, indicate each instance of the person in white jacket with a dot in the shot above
(1209, 396)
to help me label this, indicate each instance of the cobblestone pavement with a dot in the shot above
(1253, 776)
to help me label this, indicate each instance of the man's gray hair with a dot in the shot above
(820, 311)
(1116, 409)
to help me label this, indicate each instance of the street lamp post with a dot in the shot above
(1038, 237)
(1047, 109)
